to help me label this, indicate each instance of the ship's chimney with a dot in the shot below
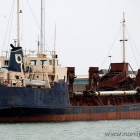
(16, 59)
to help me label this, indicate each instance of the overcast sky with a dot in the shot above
(87, 31)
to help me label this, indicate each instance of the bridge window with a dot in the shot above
(43, 62)
(33, 62)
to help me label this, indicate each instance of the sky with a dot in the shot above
(87, 31)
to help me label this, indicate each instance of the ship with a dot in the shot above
(30, 91)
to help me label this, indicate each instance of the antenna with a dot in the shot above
(42, 44)
(38, 44)
(54, 38)
(124, 39)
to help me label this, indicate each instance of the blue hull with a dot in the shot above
(35, 104)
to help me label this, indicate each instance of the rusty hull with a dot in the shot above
(88, 113)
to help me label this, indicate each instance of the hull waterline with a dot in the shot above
(70, 114)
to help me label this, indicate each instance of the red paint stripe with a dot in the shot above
(74, 117)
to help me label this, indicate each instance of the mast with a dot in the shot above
(42, 43)
(18, 23)
(124, 39)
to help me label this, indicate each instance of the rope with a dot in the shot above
(132, 48)
(111, 47)
(11, 13)
(10, 27)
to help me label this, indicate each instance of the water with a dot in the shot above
(87, 130)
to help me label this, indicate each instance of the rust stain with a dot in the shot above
(74, 117)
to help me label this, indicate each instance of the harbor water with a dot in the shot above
(86, 130)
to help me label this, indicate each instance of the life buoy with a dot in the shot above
(18, 58)
(5, 83)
